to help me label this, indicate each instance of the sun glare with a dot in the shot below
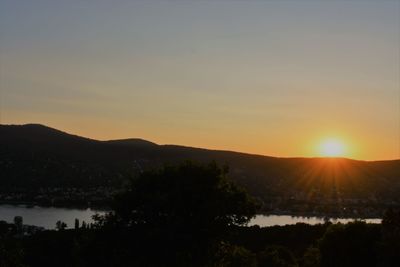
(332, 148)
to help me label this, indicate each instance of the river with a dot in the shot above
(271, 220)
(48, 216)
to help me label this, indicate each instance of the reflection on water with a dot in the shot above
(271, 220)
(48, 216)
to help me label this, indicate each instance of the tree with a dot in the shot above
(229, 255)
(186, 196)
(61, 225)
(311, 257)
(18, 221)
(11, 253)
(179, 213)
(352, 244)
(390, 245)
(276, 256)
(76, 223)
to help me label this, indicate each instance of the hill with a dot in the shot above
(35, 156)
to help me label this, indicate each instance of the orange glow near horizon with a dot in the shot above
(346, 143)
(273, 78)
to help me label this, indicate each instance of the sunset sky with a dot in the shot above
(268, 77)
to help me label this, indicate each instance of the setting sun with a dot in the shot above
(332, 148)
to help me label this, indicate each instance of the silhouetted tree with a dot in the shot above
(61, 225)
(76, 223)
(311, 257)
(180, 211)
(18, 221)
(11, 253)
(229, 255)
(390, 246)
(352, 244)
(189, 196)
(276, 256)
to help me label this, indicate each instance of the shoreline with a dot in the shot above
(28, 205)
(319, 215)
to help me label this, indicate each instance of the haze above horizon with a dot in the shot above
(273, 78)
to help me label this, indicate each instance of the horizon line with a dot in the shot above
(196, 147)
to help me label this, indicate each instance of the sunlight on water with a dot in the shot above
(48, 216)
(272, 220)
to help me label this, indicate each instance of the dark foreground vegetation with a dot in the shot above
(193, 215)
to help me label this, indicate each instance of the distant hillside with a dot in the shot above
(34, 156)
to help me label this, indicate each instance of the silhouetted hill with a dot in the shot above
(34, 155)
(132, 142)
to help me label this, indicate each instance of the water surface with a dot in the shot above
(48, 216)
(271, 220)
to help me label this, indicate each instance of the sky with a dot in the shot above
(267, 77)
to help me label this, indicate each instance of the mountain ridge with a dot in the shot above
(39, 156)
(141, 141)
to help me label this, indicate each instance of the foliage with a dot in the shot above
(354, 244)
(276, 256)
(187, 196)
(229, 255)
(194, 215)
(61, 225)
(311, 257)
(390, 246)
(340, 245)
(11, 253)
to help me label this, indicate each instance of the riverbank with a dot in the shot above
(323, 215)
(47, 217)
(106, 208)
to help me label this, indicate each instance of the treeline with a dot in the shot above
(354, 244)
(193, 215)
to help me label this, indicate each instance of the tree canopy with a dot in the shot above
(188, 195)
